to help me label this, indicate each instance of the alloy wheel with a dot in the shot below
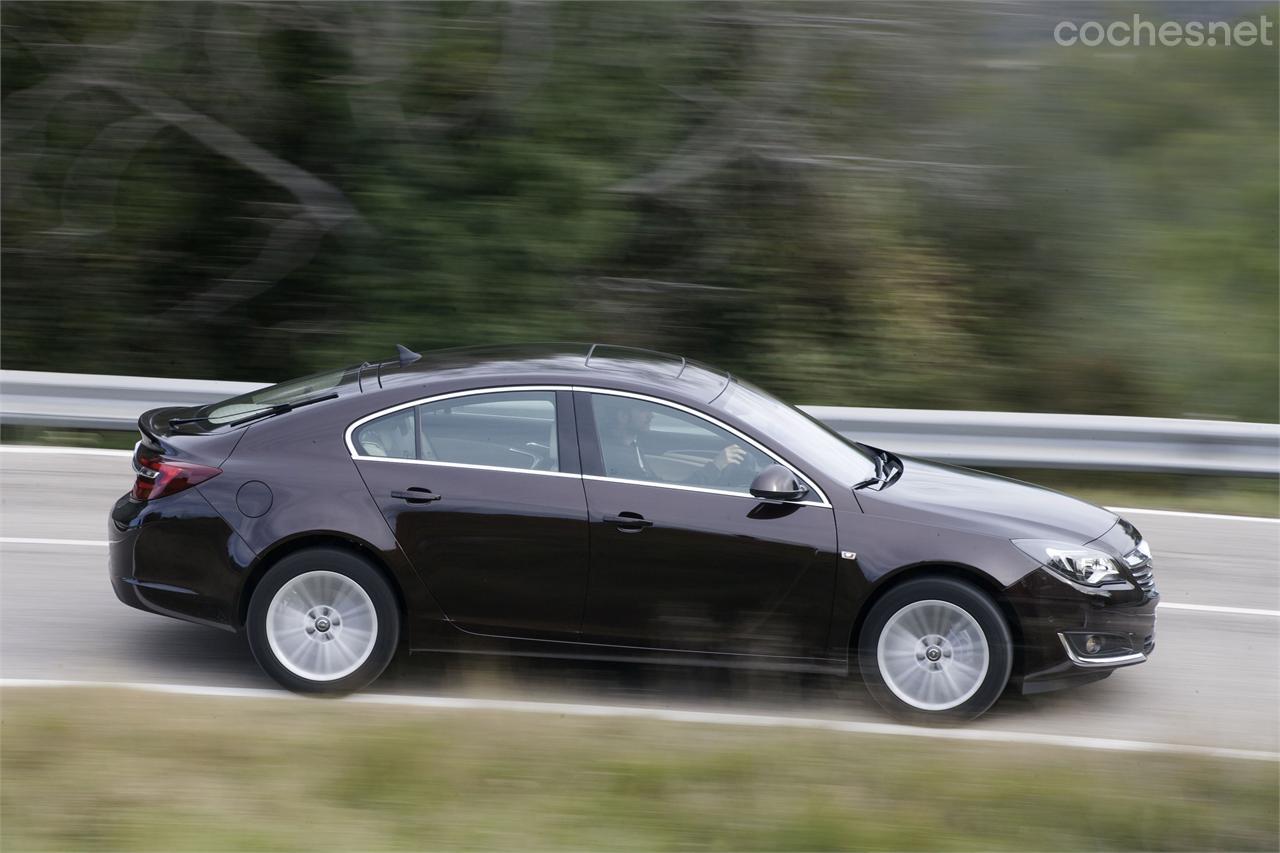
(933, 655)
(322, 625)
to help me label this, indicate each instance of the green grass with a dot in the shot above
(113, 770)
(1258, 496)
(113, 439)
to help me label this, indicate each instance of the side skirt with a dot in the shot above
(566, 650)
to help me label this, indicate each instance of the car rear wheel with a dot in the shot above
(323, 621)
(935, 649)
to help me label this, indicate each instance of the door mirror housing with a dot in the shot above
(778, 483)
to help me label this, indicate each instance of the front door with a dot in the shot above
(682, 556)
(483, 493)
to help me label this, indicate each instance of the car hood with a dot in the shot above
(948, 496)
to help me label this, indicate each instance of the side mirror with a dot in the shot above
(777, 483)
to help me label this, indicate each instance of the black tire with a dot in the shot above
(353, 567)
(973, 602)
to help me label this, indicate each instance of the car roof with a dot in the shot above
(604, 365)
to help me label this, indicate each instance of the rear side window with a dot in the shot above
(510, 429)
(391, 436)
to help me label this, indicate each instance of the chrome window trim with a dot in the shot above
(391, 410)
(778, 458)
(440, 464)
(704, 489)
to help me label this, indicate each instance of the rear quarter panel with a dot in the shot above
(315, 490)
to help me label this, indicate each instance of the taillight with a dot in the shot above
(158, 477)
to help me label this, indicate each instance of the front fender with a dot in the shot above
(877, 551)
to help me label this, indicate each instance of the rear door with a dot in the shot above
(484, 493)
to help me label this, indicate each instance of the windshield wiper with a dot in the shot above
(886, 468)
(258, 414)
(280, 409)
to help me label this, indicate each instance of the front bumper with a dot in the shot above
(1055, 616)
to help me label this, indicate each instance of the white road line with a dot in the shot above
(68, 451)
(1213, 608)
(442, 703)
(75, 543)
(1128, 510)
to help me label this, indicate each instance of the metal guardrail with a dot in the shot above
(980, 439)
(1090, 442)
(91, 401)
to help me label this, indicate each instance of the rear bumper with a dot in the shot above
(160, 562)
(1056, 617)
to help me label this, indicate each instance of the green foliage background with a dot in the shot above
(859, 204)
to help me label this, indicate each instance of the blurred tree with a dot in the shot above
(865, 203)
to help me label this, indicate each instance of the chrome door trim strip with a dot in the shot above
(440, 464)
(706, 490)
(479, 468)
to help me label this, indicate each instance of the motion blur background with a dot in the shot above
(910, 204)
(877, 204)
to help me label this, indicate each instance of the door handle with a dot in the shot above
(628, 522)
(416, 495)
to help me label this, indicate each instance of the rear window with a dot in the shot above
(292, 391)
(506, 429)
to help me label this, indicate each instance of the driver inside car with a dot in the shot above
(626, 440)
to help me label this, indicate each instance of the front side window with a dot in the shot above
(509, 429)
(650, 442)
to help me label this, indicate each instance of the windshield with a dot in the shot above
(786, 427)
(293, 391)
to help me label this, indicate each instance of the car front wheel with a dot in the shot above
(323, 620)
(935, 649)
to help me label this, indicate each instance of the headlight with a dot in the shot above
(1073, 562)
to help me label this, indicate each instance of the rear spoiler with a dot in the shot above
(154, 424)
(206, 448)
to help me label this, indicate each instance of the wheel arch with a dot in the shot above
(955, 571)
(317, 539)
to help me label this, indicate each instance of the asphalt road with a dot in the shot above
(1213, 681)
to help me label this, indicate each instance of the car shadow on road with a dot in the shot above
(166, 650)
(624, 683)
(162, 649)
